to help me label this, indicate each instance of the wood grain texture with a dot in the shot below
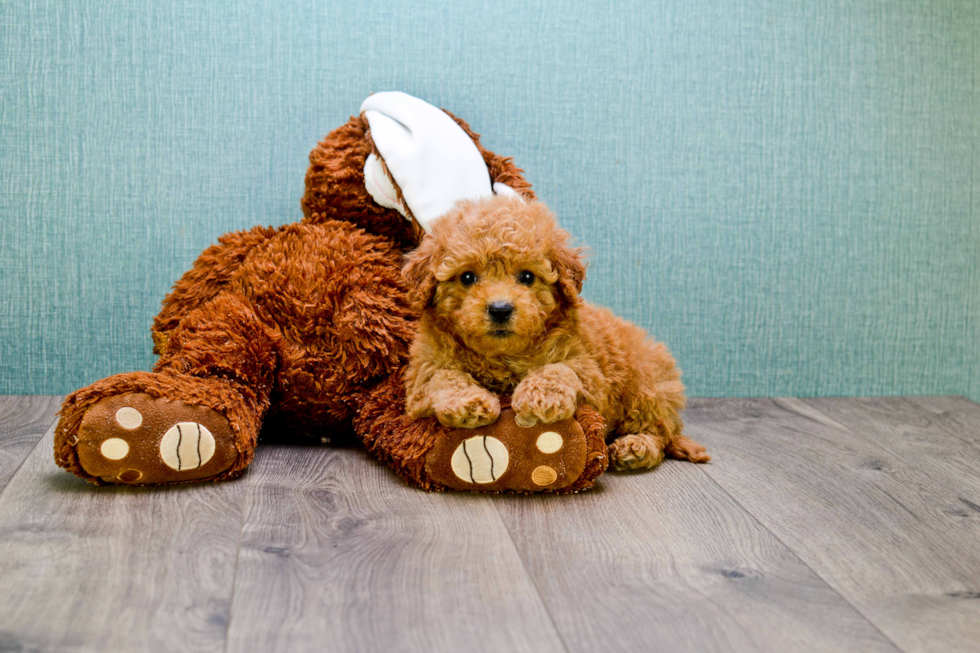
(338, 555)
(666, 561)
(877, 496)
(826, 524)
(23, 420)
(113, 568)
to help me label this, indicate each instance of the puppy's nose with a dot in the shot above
(500, 312)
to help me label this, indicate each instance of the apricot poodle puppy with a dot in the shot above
(498, 289)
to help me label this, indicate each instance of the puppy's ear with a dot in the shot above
(419, 275)
(570, 266)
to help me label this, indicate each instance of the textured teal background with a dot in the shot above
(786, 192)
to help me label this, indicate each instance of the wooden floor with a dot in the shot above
(826, 524)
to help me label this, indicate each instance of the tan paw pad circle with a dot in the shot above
(114, 448)
(129, 418)
(480, 459)
(187, 445)
(544, 475)
(549, 442)
(130, 476)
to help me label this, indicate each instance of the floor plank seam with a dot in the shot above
(973, 443)
(58, 399)
(234, 574)
(911, 461)
(40, 442)
(530, 578)
(802, 561)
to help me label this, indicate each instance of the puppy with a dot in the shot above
(498, 289)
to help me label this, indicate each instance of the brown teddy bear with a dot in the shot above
(305, 329)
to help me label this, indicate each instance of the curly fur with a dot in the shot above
(553, 351)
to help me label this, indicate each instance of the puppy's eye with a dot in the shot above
(467, 278)
(527, 278)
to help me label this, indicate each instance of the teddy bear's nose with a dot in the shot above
(500, 312)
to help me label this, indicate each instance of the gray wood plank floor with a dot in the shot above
(862, 492)
(22, 422)
(826, 524)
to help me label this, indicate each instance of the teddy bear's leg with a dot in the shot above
(195, 418)
(563, 457)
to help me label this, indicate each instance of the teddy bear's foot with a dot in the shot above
(138, 439)
(505, 456)
(143, 428)
(563, 457)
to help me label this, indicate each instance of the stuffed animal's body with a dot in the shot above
(305, 328)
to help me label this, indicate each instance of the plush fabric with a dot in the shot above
(296, 329)
(405, 443)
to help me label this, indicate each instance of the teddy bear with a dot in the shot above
(304, 330)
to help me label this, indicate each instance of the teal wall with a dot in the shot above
(786, 192)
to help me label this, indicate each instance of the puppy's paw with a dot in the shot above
(542, 400)
(638, 451)
(467, 408)
(684, 448)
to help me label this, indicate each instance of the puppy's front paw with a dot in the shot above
(467, 408)
(541, 400)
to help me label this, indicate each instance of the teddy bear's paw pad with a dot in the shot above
(505, 456)
(138, 439)
(480, 459)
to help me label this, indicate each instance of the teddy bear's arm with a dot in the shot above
(208, 276)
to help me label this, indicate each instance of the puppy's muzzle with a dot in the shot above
(500, 312)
